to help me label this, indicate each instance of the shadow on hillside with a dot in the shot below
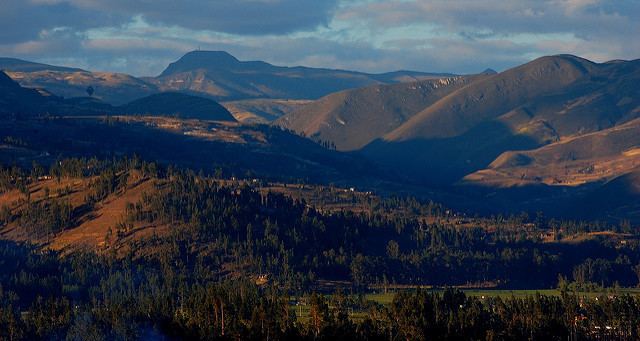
(613, 201)
(442, 162)
(432, 168)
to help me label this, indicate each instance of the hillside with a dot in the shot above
(597, 156)
(217, 75)
(113, 88)
(547, 100)
(208, 145)
(262, 110)
(19, 65)
(353, 118)
(223, 77)
(177, 105)
(17, 100)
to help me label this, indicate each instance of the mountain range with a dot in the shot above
(25, 102)
(223, 77)
(214, 74)
(560, 132)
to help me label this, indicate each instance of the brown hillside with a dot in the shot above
(262, 110)
(95, 228)
(547, 100)
(493, 97)
(598, 156)
(114, 88)
(353, 118)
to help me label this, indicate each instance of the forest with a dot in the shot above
(237, 262)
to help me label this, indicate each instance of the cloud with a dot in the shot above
(24, 19)
(141, 37)
(587, 17)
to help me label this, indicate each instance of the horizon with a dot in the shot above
(459, 37)
(488, 68)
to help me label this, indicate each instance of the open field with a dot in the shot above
(506, 293)
(302, 309)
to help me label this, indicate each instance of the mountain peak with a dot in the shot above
(220, 56)
(201, 59)
(489, 71)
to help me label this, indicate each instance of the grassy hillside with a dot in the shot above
(179, 105)
(547, 100)
(353, 118)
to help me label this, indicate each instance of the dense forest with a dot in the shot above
(89, 297)
(236, 261)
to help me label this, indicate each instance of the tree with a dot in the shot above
(636, 269)
(318, 313)
(393, 249)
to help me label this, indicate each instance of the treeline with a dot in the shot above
(90, 297)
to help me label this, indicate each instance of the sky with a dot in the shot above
(141, 37)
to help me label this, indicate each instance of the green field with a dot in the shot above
(302, 310)
(388, 297)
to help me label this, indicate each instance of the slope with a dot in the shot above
(352, 118)
(17, 100)
(223, 77)
(541, 102)
(178, 105)
(19, 65)
(598, 156)
(114, 88)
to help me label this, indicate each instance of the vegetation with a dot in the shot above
(238, 262)
(86, 296)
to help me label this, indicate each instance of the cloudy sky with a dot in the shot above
(142, 36)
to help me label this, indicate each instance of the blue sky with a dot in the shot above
(141, 37)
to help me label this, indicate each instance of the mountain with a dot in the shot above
(262, 110)
(213, 74)
(178, 105)
(113, 88)
(223, 77)
(552, 134)
(15, 99)
(599, 156)
(545, 101)
(19, 65)
(351, 119)
(26, 102)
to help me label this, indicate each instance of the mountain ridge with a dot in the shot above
(219, 75)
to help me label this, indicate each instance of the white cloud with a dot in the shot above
(141, 36)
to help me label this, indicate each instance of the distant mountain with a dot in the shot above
(17, 100)
(217, 75)
(114, 88)
(178, 105)
(20, 101)
(489, 71)
(351, 119)
(223, 77)
(19, 65)
(542, 102)
(262, 110)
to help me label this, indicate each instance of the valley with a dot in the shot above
(318, 201)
